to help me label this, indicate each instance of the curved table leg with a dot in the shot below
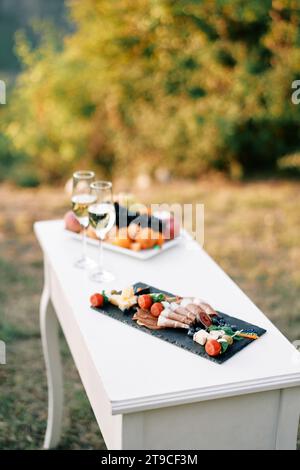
(50, 342)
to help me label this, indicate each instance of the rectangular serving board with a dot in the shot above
(179, 337)
(142, 254)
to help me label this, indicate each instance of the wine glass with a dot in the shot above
(82, 197)
(102, 217)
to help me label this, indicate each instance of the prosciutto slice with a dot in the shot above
(144, 318)
(168, 313)
(202, 315)
(183, 311)
(148, 325)
(207, 309)
(168, 323)
(194, 309)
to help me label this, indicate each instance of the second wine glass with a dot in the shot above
(81, 199)
(102, 217)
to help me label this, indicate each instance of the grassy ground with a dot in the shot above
(251, 229)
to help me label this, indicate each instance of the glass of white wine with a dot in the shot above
(82, 197)
(102, 217)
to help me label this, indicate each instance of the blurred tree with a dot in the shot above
(15, 15)
(195, 84)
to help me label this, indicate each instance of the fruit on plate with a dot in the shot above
(146, 238)
(213, 347)
(145, 301)
(171, 224)
(97, 300)
(133, 230)
(156, 309)
(122, 239)
(121, 242)
(71, 223)
(159, 240)
(135, 246)
(171, 228)
(136, 238)
(142, 233)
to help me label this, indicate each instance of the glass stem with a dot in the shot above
(84, 243)
(100, 256)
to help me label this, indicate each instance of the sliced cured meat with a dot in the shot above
(168, 313)
(185, 301)
(167, 323)
(144, 318)
(195, 309)
(205, 319)
(173, 306)
(197, 301)
(141, 313)
(207, 309)
(147, 325)
(201, 314)
(184, 312)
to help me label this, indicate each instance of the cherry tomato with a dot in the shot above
(97, 300)
(213, 347)
(156, 309)
(145, 301)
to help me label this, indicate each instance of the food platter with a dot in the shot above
(135, 234)
(178, 336)
(142, 254)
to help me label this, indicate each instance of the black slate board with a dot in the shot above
(179, 337)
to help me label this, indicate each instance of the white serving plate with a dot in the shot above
(142, 254)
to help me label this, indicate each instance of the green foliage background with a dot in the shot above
(186, 84)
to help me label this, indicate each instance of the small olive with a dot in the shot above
(228, 338)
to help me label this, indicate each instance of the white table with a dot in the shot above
(148, 394)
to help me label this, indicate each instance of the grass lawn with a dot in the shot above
(251, 229)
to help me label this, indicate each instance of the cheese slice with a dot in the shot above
(123, 303)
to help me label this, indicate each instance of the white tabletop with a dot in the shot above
(139, 371)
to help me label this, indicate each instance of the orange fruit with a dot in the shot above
(135, 246)
(146, 238)
(159, 239)
(121, 242)
(133, 230)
